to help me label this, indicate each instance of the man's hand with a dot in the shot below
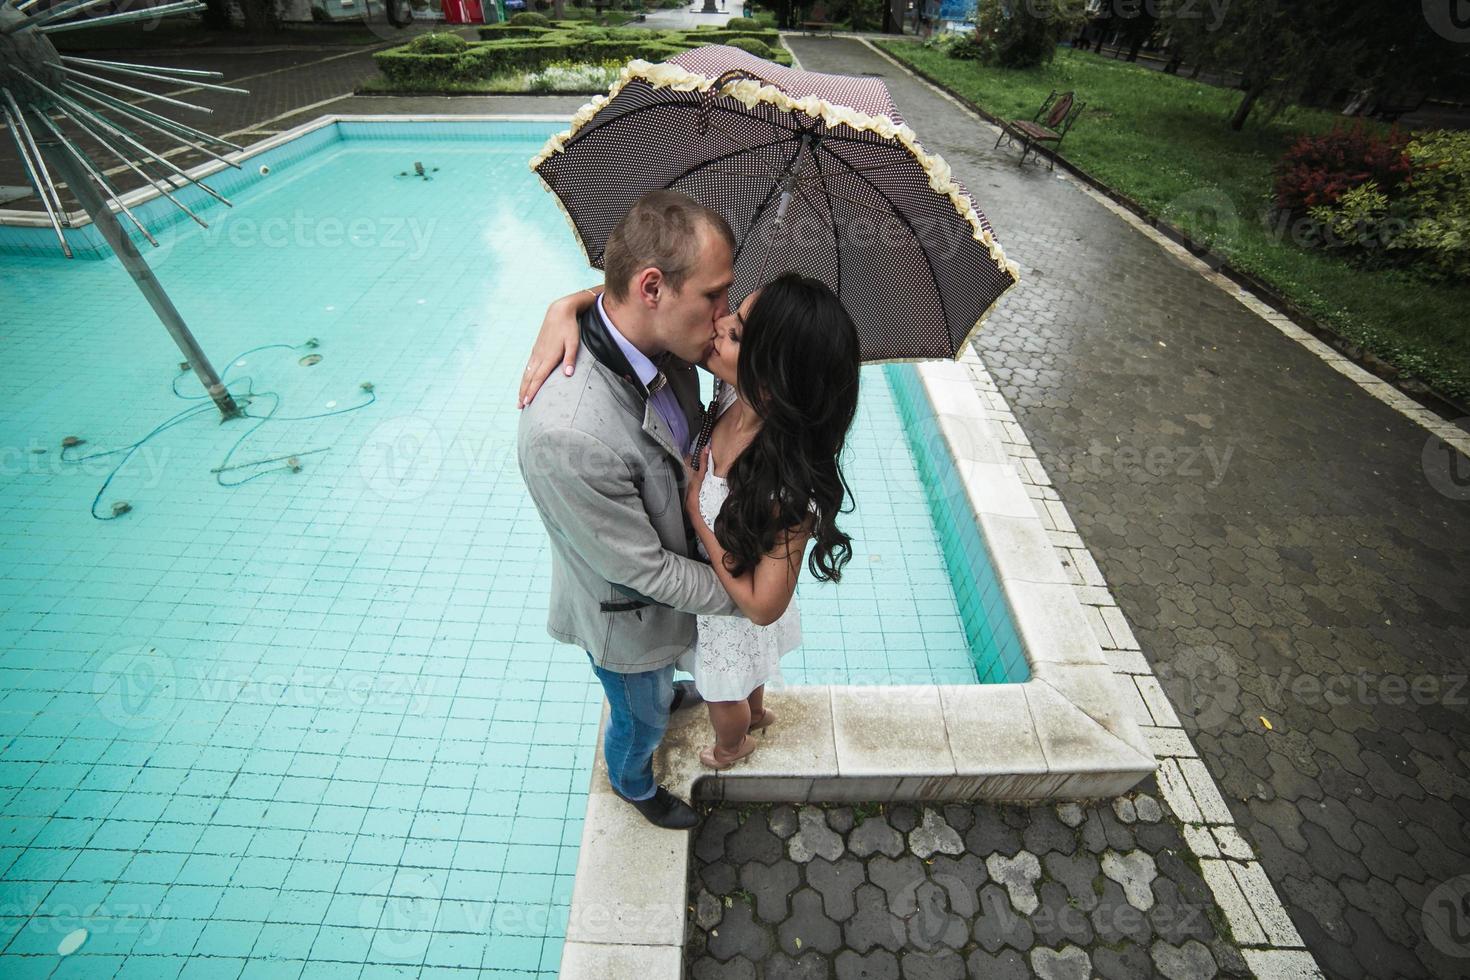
(556, 343)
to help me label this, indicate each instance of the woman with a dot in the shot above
(768, 483)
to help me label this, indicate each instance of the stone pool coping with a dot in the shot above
(1064, 734)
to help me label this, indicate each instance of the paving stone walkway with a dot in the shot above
(954, 891)
(1285, 546)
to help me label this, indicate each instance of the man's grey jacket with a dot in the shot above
(605, 475)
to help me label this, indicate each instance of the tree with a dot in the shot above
(1023, 33)
(261, 16)
(863, 15)
(1285, 49)
(1136, 23)
(217, 14)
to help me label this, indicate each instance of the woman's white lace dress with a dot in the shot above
(731, 655)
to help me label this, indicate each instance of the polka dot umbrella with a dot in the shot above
(815, 173)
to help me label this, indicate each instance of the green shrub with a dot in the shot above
(437, 44)
(496, 32)
(749, 44)
(1408, 205)
(722, 36)
(529, 18)
(1023, 33)
(1437, 205)
(612, 17)
(422, 72)
(735, 23)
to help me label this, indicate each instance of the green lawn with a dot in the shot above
(1163, 141)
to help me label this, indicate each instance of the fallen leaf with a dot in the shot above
(1267, 722)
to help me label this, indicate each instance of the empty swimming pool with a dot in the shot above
(295, 712)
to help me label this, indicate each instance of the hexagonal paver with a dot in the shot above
(739, 935)
(934, 836)
(1019, 876)
(809, 929)
(1192, 961)
(880, 964)
(872, 924)
(836, 881)
(770, 884)
(1067, 963)
(875, 836)
(814, 838)
(1135, 871)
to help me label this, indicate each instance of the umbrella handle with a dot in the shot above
(707, 424)
(707, 98)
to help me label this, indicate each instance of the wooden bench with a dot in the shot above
(1060, 110)
(818, 20)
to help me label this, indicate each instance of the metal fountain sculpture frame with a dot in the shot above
(38, 83)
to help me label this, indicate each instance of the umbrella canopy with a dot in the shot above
(815, 173)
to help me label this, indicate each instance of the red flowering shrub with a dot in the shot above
(1317, 170)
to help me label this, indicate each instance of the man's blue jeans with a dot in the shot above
(638, 716)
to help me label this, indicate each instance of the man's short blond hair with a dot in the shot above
(660, 230)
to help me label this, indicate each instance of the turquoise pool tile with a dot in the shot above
(449, 949)
(428, 853)
(512, 952)
(29, 967)
(272, 969)
(212, 968)
(283, 941)
(225, 938)
(87, 966)
(299, 906)
(174, 937)
(346, 943)
(149, 967)
(161, 868)
(399, 945)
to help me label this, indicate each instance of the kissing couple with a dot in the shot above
(678, 533)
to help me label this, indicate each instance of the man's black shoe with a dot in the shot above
(664, 809)
(685, 696)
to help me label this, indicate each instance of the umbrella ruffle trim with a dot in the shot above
(751, 93)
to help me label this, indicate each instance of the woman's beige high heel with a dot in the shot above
(709, 759)
(767, 718)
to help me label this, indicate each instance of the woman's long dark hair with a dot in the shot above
(798, 371)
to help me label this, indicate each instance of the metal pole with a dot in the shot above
(147, 282)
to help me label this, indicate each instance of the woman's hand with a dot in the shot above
(556, 343)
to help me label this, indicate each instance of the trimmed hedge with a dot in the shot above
(529, 18)
(753, 46)
(724, 36)
(437, 44)
(524, 47)
(498, 32)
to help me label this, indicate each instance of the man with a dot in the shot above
(601, 454)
